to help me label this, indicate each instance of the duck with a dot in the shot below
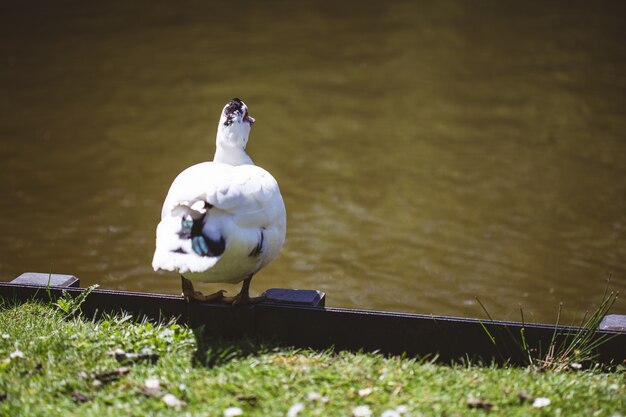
(222, 221)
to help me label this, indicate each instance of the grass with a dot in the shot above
(580, 346)
(53, 363)
(570, 349)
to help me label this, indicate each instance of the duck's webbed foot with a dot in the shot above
(191, 294)
(243, 298)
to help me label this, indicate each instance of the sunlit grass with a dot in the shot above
(54, 364)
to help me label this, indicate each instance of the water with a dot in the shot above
(428, 153)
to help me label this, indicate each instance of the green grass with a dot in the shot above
(571, 349)
(63, 354)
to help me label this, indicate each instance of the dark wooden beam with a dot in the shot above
(318, 327)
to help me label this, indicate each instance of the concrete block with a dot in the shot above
(615, 322)
(309, 298)
(43, 280)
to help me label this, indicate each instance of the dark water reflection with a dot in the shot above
(428, 153)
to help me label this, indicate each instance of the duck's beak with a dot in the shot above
(251, 120)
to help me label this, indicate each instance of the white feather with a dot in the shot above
(245, 209)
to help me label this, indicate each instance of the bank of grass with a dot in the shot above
(56, 364)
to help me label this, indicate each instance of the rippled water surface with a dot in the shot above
(428, 152)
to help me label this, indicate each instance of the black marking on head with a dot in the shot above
(179, 250)
(258, 249)
(230, 111)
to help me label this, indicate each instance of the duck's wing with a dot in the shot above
(209, 205)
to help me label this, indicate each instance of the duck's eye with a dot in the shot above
(245, 117)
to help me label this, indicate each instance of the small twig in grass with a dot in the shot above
(110, 376)
(525, 397)
(78, 397)
(129, 357)
(252, 400)
(473, 402)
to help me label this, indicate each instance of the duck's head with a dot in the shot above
(234, 126)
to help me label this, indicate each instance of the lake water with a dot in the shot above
(428, 152)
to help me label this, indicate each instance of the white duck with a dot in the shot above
(222, 221)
